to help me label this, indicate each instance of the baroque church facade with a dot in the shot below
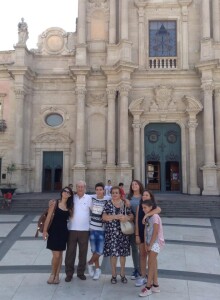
(133, 93)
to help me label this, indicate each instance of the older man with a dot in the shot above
(78, 233)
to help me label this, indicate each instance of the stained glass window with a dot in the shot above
(162, 38)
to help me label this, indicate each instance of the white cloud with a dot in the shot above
(39, 15)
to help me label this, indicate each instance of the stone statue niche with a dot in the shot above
(22, 32)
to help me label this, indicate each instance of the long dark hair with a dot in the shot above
(69, 203)
(152, 198)
(141, 188)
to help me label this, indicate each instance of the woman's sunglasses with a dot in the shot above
(67, 191)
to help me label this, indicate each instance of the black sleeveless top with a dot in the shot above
(141, 226)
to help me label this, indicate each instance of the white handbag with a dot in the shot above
(128, 226)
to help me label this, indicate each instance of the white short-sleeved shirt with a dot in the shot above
(81, 213)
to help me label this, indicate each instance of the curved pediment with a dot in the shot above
(49, 138)
(192, 104)
(136, 106)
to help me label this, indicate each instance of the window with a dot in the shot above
(162, 45)
(54, 120)
(163, 41)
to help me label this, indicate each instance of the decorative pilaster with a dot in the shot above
(193, 185)
(123, 126)
(210, 186)
(136, 111)
(112, 22)
(185, 37)
(81, 26)
(111, 94)
(206, 19)
(124, 19)
(81, 51)
(19, 138)
(207, 87)
(141, 37)
(193, 107)
(80, 127)
(217, 125)
(216, 20)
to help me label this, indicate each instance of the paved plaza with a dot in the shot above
(189, 265)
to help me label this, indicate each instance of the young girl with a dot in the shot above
(57, 234)
(139, 233)
(154, 241)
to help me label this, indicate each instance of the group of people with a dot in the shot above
(80, 218)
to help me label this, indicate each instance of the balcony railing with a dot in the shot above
(3, 126)
(163, 63)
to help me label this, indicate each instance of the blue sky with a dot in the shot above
(39, 15)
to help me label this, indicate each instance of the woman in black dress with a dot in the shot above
(57, 234)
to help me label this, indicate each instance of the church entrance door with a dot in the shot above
(52, 171)
(163, 157)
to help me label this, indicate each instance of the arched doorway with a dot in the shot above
(163, 157)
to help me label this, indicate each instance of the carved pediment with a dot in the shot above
(53, 41)
(163, 99)
(192, 105)
(136, 106)
(51, 138)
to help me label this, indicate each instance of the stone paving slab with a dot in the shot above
(189, 265)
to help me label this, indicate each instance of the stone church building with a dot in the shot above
(134, 93)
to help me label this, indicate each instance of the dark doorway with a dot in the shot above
(52, 171)
(163, 157)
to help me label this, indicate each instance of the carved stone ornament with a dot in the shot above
(97, 100)
(136, 106)
(53, 41)
(98, 4)
(163, 100)
(192, 105)
(49, 138)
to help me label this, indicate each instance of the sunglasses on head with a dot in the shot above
(67, 191)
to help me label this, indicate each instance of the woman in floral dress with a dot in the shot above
(117, 244)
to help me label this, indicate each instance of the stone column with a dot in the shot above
(206, 19)
(81, 26)
(209, 169)
(111, 93)
(217, 125)
(38, 171)
(124, 20)
(137, 149)
(193, 186)
(80, 128)
(66, 167)
(112, 22)
(208, 125)
(19, 125)
(185, 37)
(141, 38)
(216, 20)
(123, 123)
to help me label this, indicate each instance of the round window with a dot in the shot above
(54, 120)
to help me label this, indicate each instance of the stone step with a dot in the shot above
(172, 205)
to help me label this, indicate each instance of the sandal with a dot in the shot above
(56, 280)
(114, 279)
(123, 279)
(50, 279)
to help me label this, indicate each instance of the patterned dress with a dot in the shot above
(116, 243)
